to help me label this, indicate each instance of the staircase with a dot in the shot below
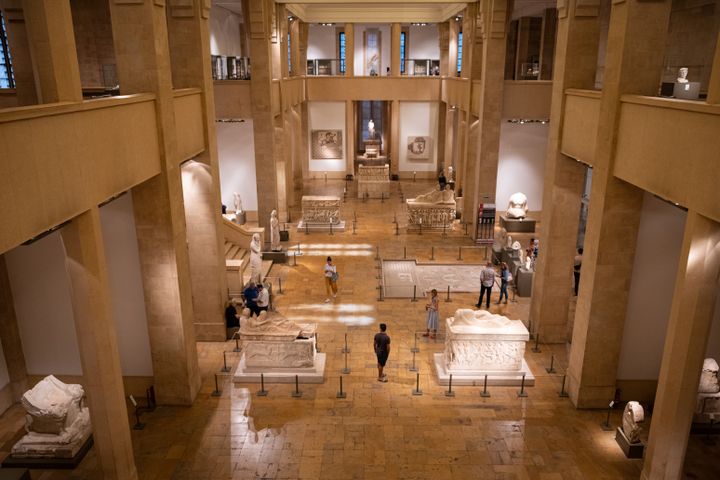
(236, 261)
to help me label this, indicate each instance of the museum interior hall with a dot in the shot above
(343, 239)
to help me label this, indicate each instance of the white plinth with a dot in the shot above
(314, 374)
(321, 227)
(477, 377)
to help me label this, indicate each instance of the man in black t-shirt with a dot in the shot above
(382, 351)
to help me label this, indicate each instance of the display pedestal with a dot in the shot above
(523, 281)
(508, 255)
(276, 257)
(477, 377)
(687, 91)
(321, 227)
(631, 450)
(65, 463)
(314, 374)
(515, 225)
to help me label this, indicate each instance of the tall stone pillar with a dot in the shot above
(349, 49)
(691, 316)
(262, 35)
(12, 11)
(302, 46)
(395, 31)
(452, 58)
(492, 23)
(638, 30)
(713, 95)
(294, 36)
(99, 357)
(444, 41)
(10, 336)
(547, 43)
(189, 41)
(52, 49)
(350, 138)
(578, 33)
(395, 137)
(143, 63)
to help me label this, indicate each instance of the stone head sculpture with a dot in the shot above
(682, 75)
(632, 417)
(273, 214)
(517, 205)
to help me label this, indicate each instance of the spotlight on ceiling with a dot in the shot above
(327, 24)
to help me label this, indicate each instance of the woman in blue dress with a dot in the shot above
(432, 314)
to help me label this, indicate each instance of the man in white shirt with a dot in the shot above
(487, 279)
(263, 298)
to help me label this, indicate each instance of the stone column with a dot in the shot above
(294, 32)
(189, 41)
(493, 21)
(451, 114)
(575, 64)
(266, 148)
(444, 41)
(395, 31)
(350, 138)
(10, 336)
(395, 137)
(452, 58)
(52, 49)
(634, 60)
(691, 317)
(20, 51)
(143, 64)
(547, 43)
(349, 49)
(302, 48)
(714, 84)
(441, 132)
(99, 357)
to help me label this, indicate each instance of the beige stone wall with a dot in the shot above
(93, 37)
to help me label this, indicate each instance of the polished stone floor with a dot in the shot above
(380, 430)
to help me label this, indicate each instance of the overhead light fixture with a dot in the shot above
(327, 24)
(457, 19)
(419, 24)
(291, 18)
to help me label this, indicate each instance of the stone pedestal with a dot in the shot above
(374, 181)
(479, 343)
(523, 281)
(631, 450)
(516, 225)
(435, 209)
(320, 212)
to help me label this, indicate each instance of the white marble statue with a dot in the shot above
(436, 197)
(517, 206)
(477, 319)
(528, 263)
(451, 174)
(500, 239)
(371, 129)
(708, 398)
(270, 324)
(274, 232)
(237, 202)
(57, 422)
(255, 258)
(509, 241)
(632, 417)
(682, 75)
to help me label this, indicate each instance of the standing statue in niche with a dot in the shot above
(237, 202)
(371, 129)
(255, 258)
(274, 232)
(682, 75)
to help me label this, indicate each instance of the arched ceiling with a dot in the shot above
(374, 11)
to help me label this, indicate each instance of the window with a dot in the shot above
(403, 38)
(341, 51)
(459, 64)
(6, 73)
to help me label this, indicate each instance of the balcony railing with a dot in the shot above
(414, 67)
(326, 66)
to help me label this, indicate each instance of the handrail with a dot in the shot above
(15, 114)
(240, 234)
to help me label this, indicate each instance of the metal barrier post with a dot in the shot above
(297, 393)
(449, 392)
(552, 362)
(262, 392)
(447, 300)
(217, 392)
(341, 394)
(417, 391)
(485, 393)
(522, 392)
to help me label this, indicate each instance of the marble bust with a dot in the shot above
(632, 417)
(274, 232)
(682, 75)
(255, 258)
(517, 206)
(709, 377)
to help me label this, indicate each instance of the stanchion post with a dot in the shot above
(536, 348)
(414, 299)
(522, 393)
(354, 223)
(346, 370)
(377, 252)
(280, 285)
(552, 365)
(447, 300)
(237, 341)
(417, 391)
(563, 393)
(413, 367)
(459, 253)
(404, 253)
(420, 228)
(317, 343)
(298, 253)
(449, 392)
(345, 348)
(216, 392)
(225, 367)
(397, 229)
(382, 197)
(341, 394)
(297, 393)
(331, 230)
(606, 426)
(415, 349)
(295, 259)
(262, 392)
(485, 393)
(432, 253)
(307, 229)
(138, 424)
(444, 234)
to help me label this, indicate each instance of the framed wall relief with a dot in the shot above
(326, 144)
(418, 148)
(372, 52)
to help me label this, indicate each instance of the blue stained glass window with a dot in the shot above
(341, 50)
(289, 53)
(459, 64)
(6, 72)
(402, 52)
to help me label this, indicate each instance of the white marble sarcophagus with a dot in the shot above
(374, 181)
(321, 213)
(435, 209)
(278, 348)
(480, 343)
(57, 423)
